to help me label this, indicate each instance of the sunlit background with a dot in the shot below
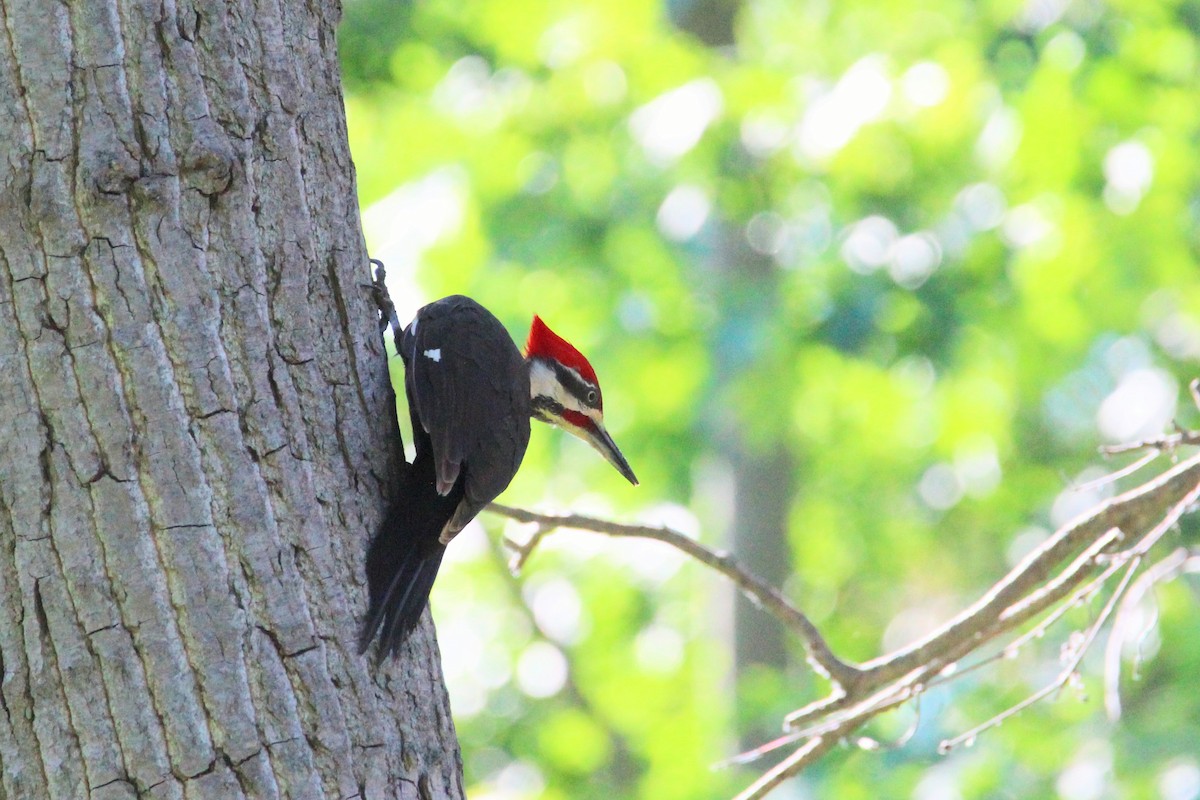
(866, 284)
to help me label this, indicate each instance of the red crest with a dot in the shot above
(545, 343)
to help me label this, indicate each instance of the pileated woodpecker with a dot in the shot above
(470, 398)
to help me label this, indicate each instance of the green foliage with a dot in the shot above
(939, 250)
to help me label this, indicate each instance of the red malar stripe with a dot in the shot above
(577, 419)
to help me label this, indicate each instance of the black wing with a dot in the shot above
(469, 387)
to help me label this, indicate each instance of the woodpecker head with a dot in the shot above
(566, 393)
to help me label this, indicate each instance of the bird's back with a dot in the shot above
(468, 389)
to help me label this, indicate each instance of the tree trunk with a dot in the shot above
(196, 422)
(744, 287)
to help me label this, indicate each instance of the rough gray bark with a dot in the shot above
(194, 417)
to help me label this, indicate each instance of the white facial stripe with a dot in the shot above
(544, 383)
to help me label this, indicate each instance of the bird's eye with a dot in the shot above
(592, 397)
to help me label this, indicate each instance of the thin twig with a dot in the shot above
(1064, 677)
(757, 590)
(750, 756)
(522, 550)
(873, 745)
(1167, 523)
(894, 694)
(1159, 444)
(791, 766)
(621, 754)
(1180, 560)
(1123, 472)
(1057, 589)
(863, 742)
(818, 709)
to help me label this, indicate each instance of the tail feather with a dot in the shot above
(404, 557)
(405, 583)
(404, 615)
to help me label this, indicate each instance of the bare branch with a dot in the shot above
(1072, 565)
(758, 591)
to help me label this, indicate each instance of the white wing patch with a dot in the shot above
(434, 354)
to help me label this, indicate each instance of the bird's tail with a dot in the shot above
(402, 562)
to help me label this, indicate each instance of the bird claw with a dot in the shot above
(383, 301)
